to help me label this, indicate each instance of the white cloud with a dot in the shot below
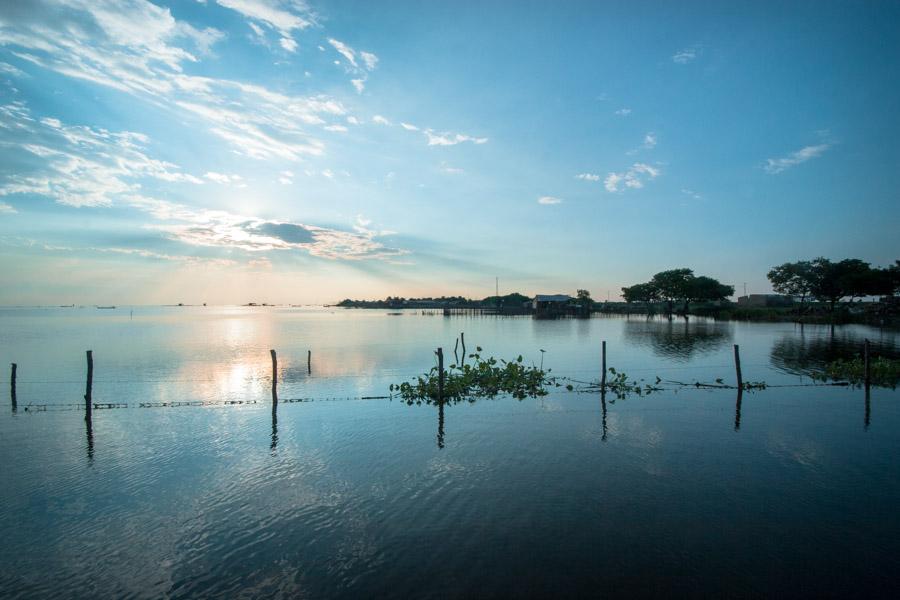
(409, 127)
(220, 229)
(777, 165)
(445, 168)
(10, 70)
(450, 139)
(691, 193)
(623, 112)
(380, 120)
(328, 173)
(339, 128)
(139, 48)
(257, 30)
(549, 200)
(344, 50)
(588, 177)
(650, 141)
(222, 177)
(352, 120)
(369, 59)
(79, 165)
(281, 15)
(686, 55)
(633, 178)
(359, 85)
(7, 209)
(288, 44)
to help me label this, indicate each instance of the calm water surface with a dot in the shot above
(794, 490)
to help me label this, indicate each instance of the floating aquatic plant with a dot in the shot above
(481, 378)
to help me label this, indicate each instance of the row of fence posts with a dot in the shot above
(89, 382)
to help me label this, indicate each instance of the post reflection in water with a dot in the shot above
(89, 434)
(737, 410)
(274, 444)
(440, 433)
(603, 411)
(868, 417)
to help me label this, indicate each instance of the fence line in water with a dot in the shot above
(89, 405)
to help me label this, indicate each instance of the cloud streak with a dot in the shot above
(774, 166)
(633, 178)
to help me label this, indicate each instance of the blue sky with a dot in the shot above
(280, 151)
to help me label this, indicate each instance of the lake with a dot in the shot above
(195, 487)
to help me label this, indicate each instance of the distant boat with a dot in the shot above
(106, 307)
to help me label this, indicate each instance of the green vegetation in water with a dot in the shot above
(619, 384)
(482, 378)
(884, 372)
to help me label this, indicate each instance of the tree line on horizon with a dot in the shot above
(820, 279)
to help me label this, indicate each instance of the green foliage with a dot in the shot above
(831, 282)
(678, 284)
(884, 372)
(640, 292)
(483, 377)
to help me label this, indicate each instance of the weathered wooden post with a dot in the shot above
(274, 376)
(462, 339)
(440, 355)
(737, 366)
(12, 386)
(603, 367)
(309, 362)
(89, 384)
(866, 364)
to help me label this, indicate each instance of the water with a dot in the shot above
(675, 493)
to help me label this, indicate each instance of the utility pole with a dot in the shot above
(497, 284)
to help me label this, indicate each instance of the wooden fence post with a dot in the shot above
(309, 362)
(88, 387)
(440, 355)
(737, 366)
(274, 376)
(866, 363)
(12, 386)
(603, 368)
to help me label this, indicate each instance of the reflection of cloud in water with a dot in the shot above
(678, 339)
(809, 351)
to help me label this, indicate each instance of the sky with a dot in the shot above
(281, 151)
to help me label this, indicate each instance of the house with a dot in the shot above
(765, 301)
(550, 304)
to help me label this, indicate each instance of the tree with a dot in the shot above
(672, 285)
(583, 295)
(706, 289)
(833, 281)
(640, 292)
(793, 279)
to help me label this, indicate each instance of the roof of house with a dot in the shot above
(552, 298)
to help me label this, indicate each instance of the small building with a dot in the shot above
(550, 305)
(765, 301)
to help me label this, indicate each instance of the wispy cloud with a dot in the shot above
(633, 178)
(81, 166)
(7, 209)
(380, 120)
(140, 49)
(222, 178)
(284, 16)
(686, 55)
(588, 177)
(623, 112)
(450, 139)
(445, 168)
(774, 166)
(409, 127)
(369, 62)
(549, 200)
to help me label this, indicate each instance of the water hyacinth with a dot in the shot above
(482, 378)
